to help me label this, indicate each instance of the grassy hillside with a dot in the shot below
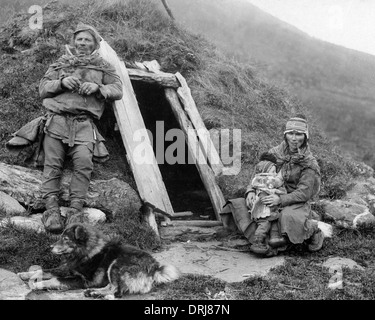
(228, 94)
(337, 83)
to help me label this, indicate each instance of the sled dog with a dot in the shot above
(92, 261)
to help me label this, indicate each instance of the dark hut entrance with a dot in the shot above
(182, 180)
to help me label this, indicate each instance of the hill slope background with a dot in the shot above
(335, 82)
(228, 94)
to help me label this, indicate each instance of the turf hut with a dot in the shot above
(161, 102)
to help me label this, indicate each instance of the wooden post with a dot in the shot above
(147, 175)
(190, 108)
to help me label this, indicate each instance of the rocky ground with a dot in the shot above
(197, 256)
(226, 259)
(192, 248)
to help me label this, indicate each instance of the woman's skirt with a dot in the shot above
(295, 221)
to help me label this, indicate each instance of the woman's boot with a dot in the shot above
(316, 241)
(276, 240)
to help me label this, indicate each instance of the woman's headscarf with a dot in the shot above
(297, 124)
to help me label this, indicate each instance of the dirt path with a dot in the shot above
(212, 258)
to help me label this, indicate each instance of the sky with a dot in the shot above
(349, 23)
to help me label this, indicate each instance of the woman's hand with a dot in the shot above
(88, 88)
(71, 83)
(249, 199)
(271, 200)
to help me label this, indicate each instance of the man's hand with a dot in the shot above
(249, 199)
(71, 83)
(88, 88)
(271, 200)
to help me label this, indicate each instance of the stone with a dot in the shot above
(337, 263)
(94, 216)
(113, 195)
(34, 221)
(365, 218)
(371, 201)
(326, 229)
(335, 267)
(31, 222)
(362, 191)
(10, 206)
(364, 170)
(343, 212)
(110, 196)
(21, 183)
(11, 286)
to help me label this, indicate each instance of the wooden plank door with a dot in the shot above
(147, 175)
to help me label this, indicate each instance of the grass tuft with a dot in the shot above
(129, 226)
(21, 248)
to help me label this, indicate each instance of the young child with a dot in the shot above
(265, 182)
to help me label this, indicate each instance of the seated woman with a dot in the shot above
(301, 175)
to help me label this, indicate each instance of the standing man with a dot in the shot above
(74, 90)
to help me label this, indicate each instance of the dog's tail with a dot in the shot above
(166, 273)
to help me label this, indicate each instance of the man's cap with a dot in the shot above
(85, 27)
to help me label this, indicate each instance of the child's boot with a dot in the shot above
(259, 246)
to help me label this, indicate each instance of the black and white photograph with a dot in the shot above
(190, 156)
